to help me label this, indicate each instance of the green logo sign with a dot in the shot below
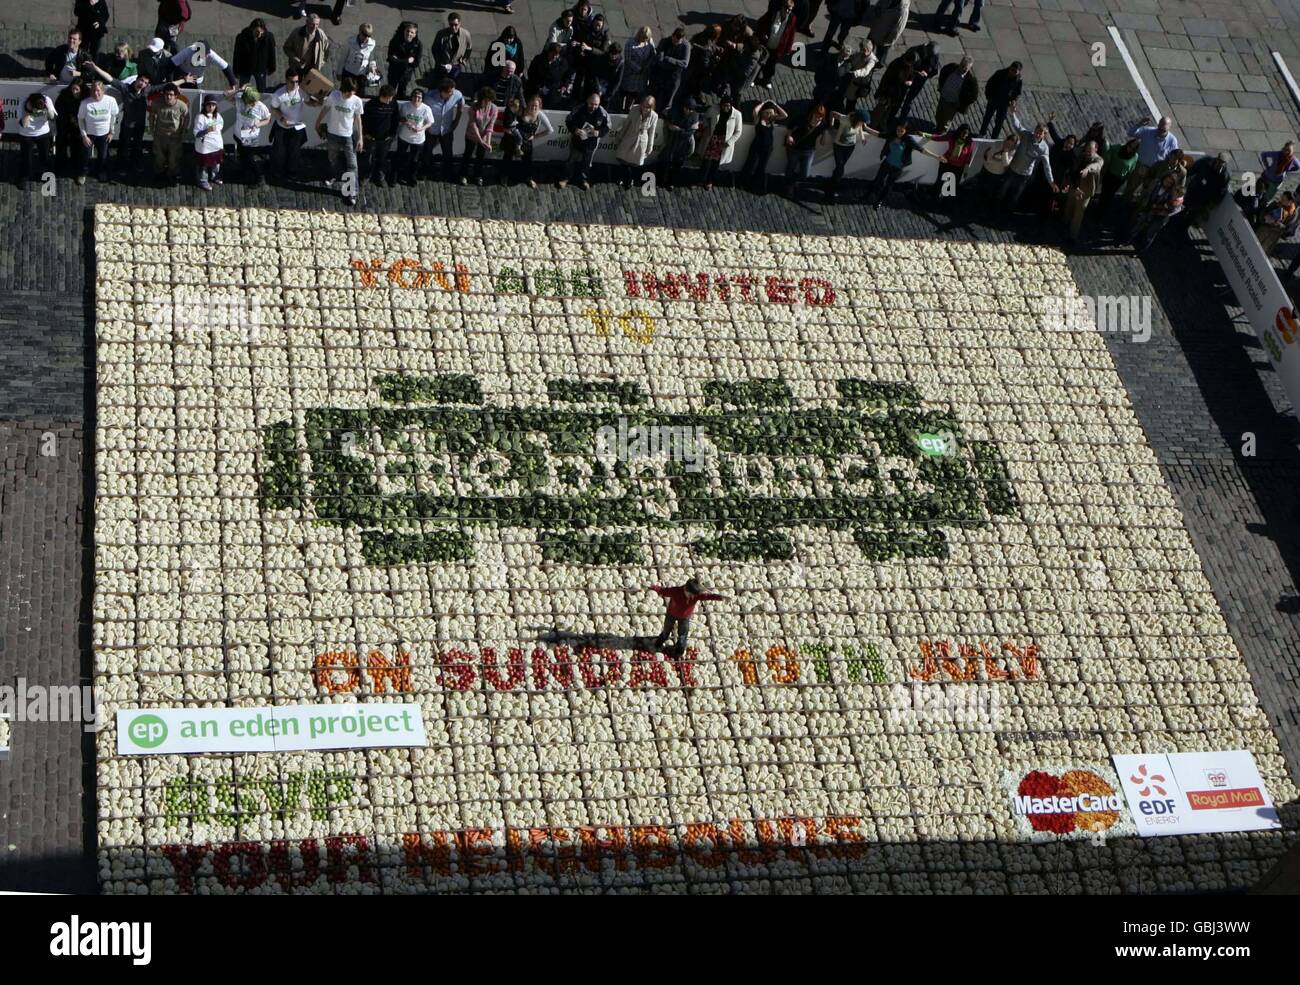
(147, 731)
(434, 459)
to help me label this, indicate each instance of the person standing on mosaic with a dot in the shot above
(169, 122)
(681, 604)
(587, 126)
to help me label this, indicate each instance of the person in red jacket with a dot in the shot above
(681, 606)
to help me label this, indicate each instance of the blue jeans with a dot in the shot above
(1013, 186)
(683, 631)
(343, 156)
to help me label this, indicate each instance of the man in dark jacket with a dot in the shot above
(894, 86)
(587, 125)
(666, 76)
(547, 72)
(451, 47)
(379, 126)
(92, 22)
(925, 66)
(255, 55)
(64, 63)
(1207, 184)
(958, 90)
(1002, 89)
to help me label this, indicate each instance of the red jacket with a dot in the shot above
(678, 607)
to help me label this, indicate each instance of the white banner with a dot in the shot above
(1259, 291)
(288, 728)
(862, 164)
(1182, 793)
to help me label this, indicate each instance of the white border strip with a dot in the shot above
(1286, 74)
(1152, 108)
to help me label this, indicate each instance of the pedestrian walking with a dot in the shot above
(948, 24)
(958, 90)
(1000, 93)
(681, 603)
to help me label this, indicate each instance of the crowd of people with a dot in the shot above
(681, 96)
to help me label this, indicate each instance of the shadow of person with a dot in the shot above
(598, 641)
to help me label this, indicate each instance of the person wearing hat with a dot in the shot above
(681, 606)
(154, 61)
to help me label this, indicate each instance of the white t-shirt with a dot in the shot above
(291, 105)
(39, 124)
(341, 112)
(96, 116)
(248, 120)
(207, 133)
(413, 113)
(358, 56)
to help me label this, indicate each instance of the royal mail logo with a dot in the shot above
(1221, 800)
(1217, 778)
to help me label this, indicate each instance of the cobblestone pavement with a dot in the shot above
(1207, 62)
(1198, 386)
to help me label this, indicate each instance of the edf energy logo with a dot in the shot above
(1079, 801)
(147, 731)
(412, 478)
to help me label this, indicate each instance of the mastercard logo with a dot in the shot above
(1077, 800)
(1287, 326)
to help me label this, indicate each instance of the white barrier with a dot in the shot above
(863, 164)
(1259, 292)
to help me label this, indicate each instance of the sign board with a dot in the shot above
(289, 728)
(1182, 793)
(1260, 293)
